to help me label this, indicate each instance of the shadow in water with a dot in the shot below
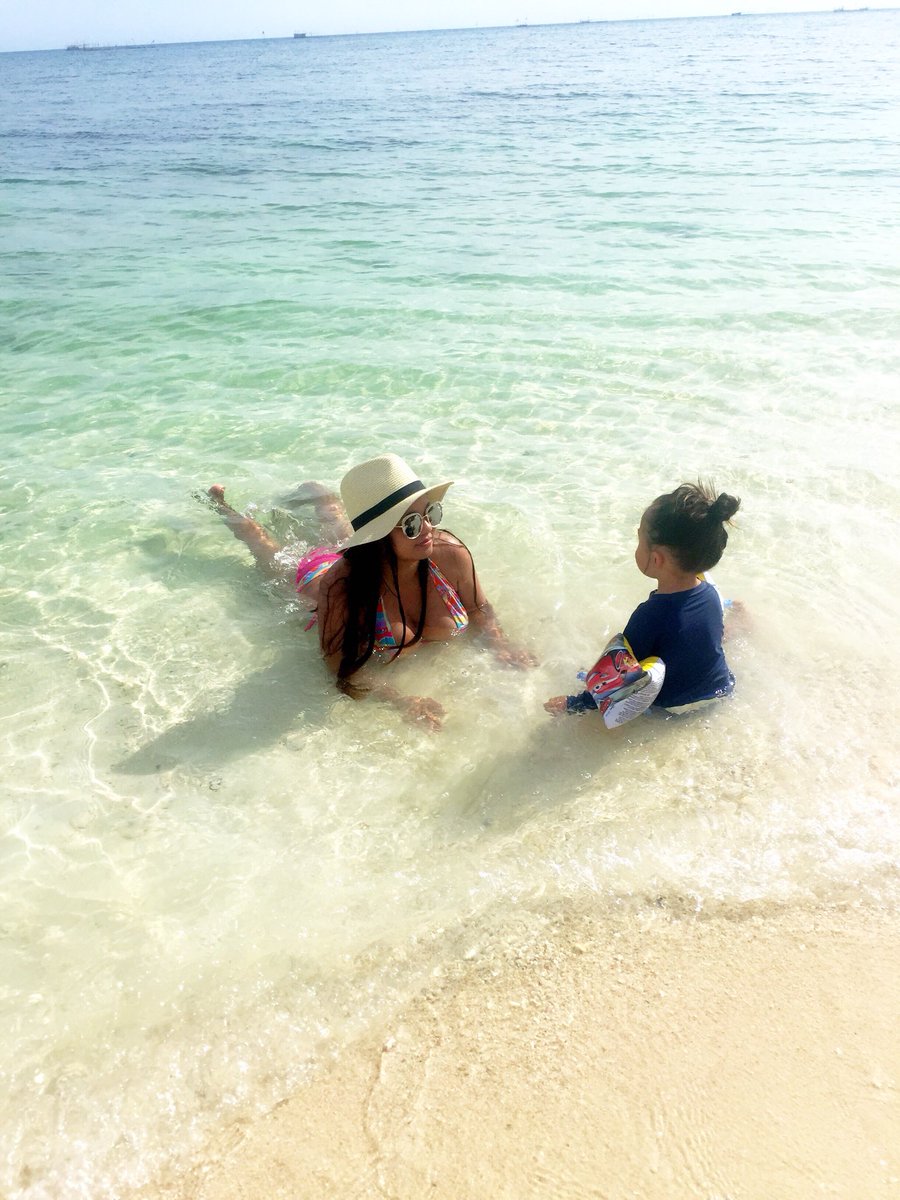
(271, 702)
(264, 707)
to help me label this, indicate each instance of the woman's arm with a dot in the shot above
(455, 561)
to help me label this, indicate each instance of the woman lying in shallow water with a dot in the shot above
(396, 581)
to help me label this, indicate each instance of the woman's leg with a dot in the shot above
(328, 509)
(260, 544)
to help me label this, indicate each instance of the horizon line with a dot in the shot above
(306, 35)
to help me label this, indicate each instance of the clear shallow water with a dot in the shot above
(567, 267)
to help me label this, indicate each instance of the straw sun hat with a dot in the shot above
(377, 493)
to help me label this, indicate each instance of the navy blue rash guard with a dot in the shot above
(684, 629)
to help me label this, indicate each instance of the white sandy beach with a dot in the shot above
(641, 1056)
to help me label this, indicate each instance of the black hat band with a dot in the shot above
(387, 503)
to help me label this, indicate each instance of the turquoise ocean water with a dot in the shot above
(567, 267)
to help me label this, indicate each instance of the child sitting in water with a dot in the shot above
(681, 535)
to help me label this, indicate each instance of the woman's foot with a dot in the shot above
(216, 498)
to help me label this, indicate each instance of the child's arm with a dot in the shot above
(640, 632)
(584, 702)
(640, 636)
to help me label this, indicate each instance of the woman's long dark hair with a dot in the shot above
(362, 592)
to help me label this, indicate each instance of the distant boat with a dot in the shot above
(299, 35)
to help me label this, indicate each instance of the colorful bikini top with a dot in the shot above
(384, 634)
(319, 560)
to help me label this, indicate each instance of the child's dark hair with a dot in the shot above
(690, 523)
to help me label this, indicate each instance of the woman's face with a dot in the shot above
(414, 549)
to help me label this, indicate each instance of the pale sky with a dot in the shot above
(49, 24)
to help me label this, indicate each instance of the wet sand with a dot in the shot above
(645, 1056)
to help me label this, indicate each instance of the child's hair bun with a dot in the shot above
(724, 507)
(691, 523)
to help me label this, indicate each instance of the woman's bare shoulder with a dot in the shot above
(339, 569)
(336, 574)
(449, 551)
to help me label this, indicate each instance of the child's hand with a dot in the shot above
(555, 705)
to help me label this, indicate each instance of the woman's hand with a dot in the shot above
(417, 710)
(513, 656)
(421, 711)
(484, 621)
(556, 705)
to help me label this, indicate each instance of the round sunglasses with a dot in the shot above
(412, 522)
